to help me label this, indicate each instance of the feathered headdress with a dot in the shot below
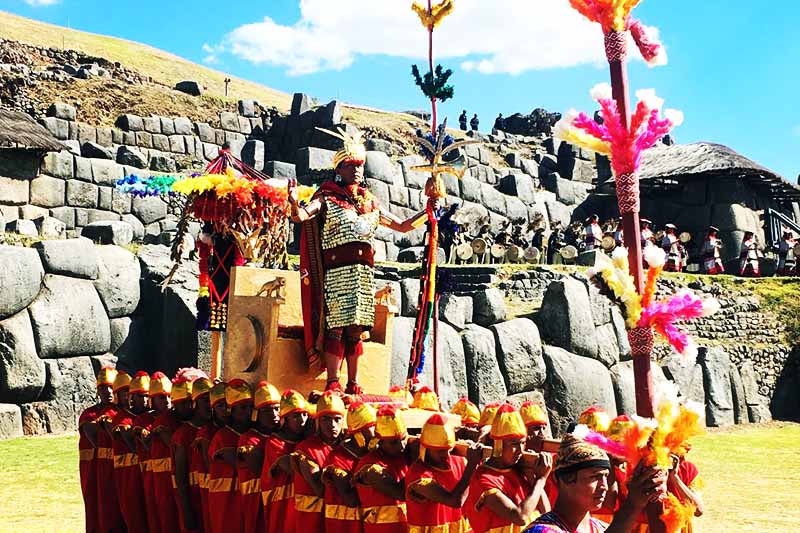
(353, 149)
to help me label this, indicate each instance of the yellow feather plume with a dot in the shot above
(437, 14)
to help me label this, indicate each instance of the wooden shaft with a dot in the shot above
(216, 355)
(529, 458)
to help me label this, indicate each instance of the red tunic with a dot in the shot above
(198, 473)
(88, 470)
(128, 476)
(309, 509)
(224, 502)
(109, 517)
(184, 437)
(488, 480)
(142, 425)
(382, 513)
(426, 516)
(161, 466)
(250, 483)
(277, 493)
(339, 517)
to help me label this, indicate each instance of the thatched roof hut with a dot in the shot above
(665, 167)
(19, 131)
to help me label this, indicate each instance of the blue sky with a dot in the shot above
(732, 63)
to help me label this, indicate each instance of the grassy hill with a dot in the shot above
(100, 101)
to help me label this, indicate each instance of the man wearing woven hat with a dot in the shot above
(189, 512)
(142, 425)
(712, 260)
(127, 474)
(127, 470)
(308, 458)
(503, 496)
(582, 470)
(199, 462)
(224, 498)
(380, 476)
(277, 489)
(109, 517)
(437, 482)
(250, 450)
(336, 261)
(342, 506)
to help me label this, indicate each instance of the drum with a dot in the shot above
(569, 252)
(513, 254)
(498, 251)
(531, 255)
(608, 243)
(685, 237)
(464, 252)
(479, 246)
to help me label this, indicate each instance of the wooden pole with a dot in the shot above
(435, 339)
(216, 355)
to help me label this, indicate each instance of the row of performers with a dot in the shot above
(190, 455)
(674, 245)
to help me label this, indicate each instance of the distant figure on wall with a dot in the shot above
(748, 257)
(500, 123)
(474, 123)
(712, 260)
(462, 120)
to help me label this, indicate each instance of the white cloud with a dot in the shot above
(491, 37)
(212, 54)
(41, 3)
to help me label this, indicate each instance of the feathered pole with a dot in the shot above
(614, 16)
(434, 146)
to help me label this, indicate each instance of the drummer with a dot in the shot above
(554, 242)
(786, 245)
(672, 246)
(503, 236)
(485, 233)
(592, 233)
(712, 261)
(517, 238)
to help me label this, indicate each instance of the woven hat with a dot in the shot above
(181, 390)
(217, 393)
(426, 399)
(533, 414)
(201, 387)
(575, 454)
(160, 385)
(292, 402)
(237, 391)
(140, 384)
(468, 411)
(106, 376)
(330, 403)
(436, 435)
(266, 394)
(595, 418)
(122, 381)
(388, 425)
(507, 424)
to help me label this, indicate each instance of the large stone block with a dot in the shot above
(22, 373)
(488, 307)
(51, 228)
(69, 390)
(81, 194)
(149, 209)
(328, 115)
(162, 163)
(61, 111)
(409, 296)
(568, 389)
(112, 231)
(10, 421)
(484, 379)
(518, 185)
(130, 123)
(183, 126)
(280, 170)
(229, 121)
(380, 190)
(136, 224)
(72, 257)
(177, 144)
(519, 351)
(59, 164)
(493, 199)
(32, 212)
(378, 166)
(413, 178)
(83, 168)
(118, 283)
(733, 217)
(14, 191)
(310, 159)
(161, 142)
(69, 319)
(402, 339)
(22, 227)
(740, 415)
(688, 377)
(94, 150)
(455, 310)
(716, 377)
(47, 191)
(58, 127)
(253, 153)
(558, 212)
(516, 210)
(106, 172)
(129, 343)
(21, 275)
(565, 319)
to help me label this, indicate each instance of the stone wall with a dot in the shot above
(66, 308)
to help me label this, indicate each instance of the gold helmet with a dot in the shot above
(160, 385)
(237, 391)
(436, 435)
(106, 376)
(122, 381)
(266, 394)
(507, 424)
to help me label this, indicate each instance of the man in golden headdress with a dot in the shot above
(582, 470)
(337, 259)
(503, 496)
